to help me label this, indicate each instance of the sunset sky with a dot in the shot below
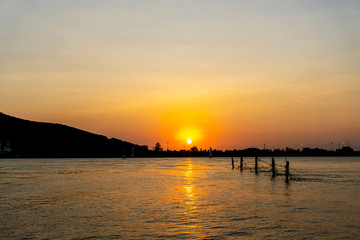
(227, 74)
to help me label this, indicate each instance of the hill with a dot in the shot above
(24, 138)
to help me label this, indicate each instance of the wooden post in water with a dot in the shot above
(232, 162)
(241, 163)
(256, 165)
(287, 172)
(273, 167)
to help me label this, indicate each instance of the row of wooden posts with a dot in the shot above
(273, 168)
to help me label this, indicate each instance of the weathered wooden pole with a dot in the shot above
(256, 165)
(273, 167)
(287, 172)
(241, 163)
(232, 162)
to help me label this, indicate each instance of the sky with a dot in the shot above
(226, 74)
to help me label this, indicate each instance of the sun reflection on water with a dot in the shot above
(191, 193)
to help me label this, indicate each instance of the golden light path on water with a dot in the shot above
(191, 201)
(190, 193)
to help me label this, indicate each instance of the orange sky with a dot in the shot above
(227, 74)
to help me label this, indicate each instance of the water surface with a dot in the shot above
(180, 198)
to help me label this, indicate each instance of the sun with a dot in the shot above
(189, 141)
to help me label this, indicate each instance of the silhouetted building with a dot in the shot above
(314, 152)
(345, 151)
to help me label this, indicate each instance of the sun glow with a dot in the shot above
(186, 132)
(184, 123)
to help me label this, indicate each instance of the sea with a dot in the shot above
(179, 198)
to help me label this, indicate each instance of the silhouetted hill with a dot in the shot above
(36, 139)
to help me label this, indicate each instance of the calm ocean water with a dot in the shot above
(179, 198)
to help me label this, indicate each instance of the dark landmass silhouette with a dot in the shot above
(29, 139)
(37, 139)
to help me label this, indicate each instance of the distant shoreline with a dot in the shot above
(28, 139)
(204, 154)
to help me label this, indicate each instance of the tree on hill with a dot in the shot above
(194, 149)
(158, 147)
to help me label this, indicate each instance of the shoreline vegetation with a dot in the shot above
(28, 139)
